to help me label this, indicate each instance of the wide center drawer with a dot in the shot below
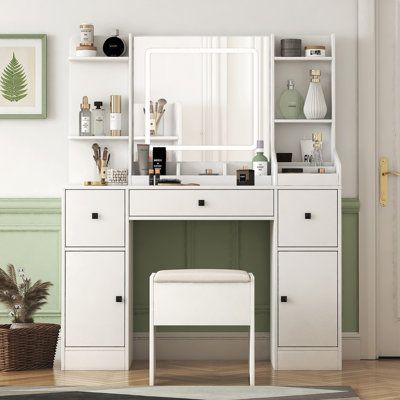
(201, 202)
(95, 218)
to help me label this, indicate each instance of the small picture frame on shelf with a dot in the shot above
(23, 74)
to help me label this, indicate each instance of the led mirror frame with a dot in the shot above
(253, 52)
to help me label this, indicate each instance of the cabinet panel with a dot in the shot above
(93, 316)
(95, 218)
(307, 218)
(307, 298)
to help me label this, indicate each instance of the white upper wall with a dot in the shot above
(34, 152)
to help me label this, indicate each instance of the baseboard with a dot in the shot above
(217, 346)
(221, 346)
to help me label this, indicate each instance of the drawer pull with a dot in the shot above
(95, 215)
(283, 299)
(307, 215)
(202, 203)
(118, 299)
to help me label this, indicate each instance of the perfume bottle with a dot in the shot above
(291, 102)
(315, 105)
(317, 149)
(98, 118)
(260, 162)
(85, 118)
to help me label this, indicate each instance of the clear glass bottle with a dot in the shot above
(85, 118)
(291, 102)
(317, 159)
(260, 162)
(98, 115)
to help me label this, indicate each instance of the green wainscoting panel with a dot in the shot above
(30, 236)
(350, 211)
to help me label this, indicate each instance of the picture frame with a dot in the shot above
(23, 76)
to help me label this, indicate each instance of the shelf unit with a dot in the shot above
(98, 78)
(287, 133)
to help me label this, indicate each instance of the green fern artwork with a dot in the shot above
(13, 83)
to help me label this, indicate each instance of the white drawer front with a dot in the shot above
(307, 218)
(308, 315)
(95, 218)
(224, 203)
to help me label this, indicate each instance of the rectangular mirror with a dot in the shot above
(215, 89)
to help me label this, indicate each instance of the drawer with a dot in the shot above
(95, 218)
(307, 218)
(201, 202)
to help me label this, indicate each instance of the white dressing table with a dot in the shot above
(305, 214)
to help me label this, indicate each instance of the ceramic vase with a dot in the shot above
(315, 104)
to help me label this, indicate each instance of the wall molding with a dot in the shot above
(220, 346)
(33, 205)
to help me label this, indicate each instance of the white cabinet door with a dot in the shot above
(307, 218)
(94, 217)
(308, 303)
(94, 315)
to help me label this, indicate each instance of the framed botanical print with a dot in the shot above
(23, 59)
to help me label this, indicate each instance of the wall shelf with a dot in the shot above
(99, 59)
(303, 121)
(303, 58)
(156, 138)
(85, 138)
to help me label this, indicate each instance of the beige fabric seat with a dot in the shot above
(202, 276)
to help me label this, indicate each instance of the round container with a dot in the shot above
(291, 47)
(314, 51)
(114, 46)
(86, 51)
(87, 34)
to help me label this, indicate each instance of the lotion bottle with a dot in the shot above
(260, 162)
(115, 115)
(85, 118)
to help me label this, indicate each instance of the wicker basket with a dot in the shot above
(28, 348)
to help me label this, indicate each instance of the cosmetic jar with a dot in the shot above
(314, 51)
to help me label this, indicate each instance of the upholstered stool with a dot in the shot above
(201, 297)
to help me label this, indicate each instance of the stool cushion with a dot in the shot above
(202, 276)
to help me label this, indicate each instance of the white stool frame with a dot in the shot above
(201, 303)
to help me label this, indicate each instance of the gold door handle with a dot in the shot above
(383, 180)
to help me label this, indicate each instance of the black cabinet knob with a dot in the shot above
(118, 299)
(307, 215)
(202, 203)
(95, 215)
(283, 299)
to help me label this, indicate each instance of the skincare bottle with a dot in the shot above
(85, 118)
(260, 162)
(317, 149)
(151, 177)
(115, 115)
(98, 119)
(157, 172)
(291, 102)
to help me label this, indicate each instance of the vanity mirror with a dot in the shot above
(216, 91)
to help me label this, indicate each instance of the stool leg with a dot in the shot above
(252, 371)
(152, 359)
(251, 356)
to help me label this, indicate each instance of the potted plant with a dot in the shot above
(25, 344)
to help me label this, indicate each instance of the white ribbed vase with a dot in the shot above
(315, 105)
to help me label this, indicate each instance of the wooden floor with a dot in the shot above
(370, 379)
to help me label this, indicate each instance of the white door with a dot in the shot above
(308, 298)
(388, 141)
(94, 298)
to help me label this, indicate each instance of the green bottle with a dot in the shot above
(291, 102)
(261, 164)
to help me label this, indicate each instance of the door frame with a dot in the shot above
(367, 177)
